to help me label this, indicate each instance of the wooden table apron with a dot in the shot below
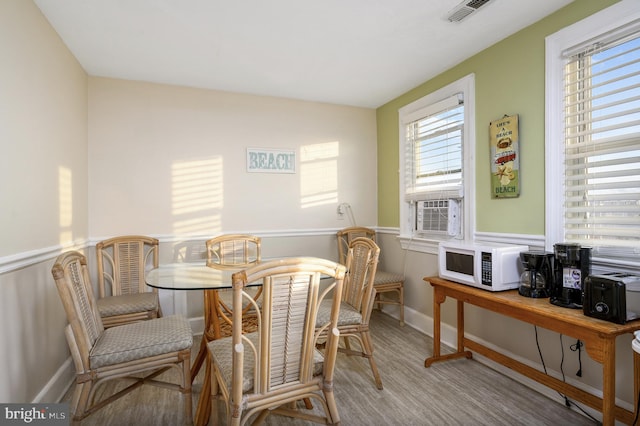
(599, 338)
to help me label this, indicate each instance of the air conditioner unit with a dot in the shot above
(438, 217)
(465, 9)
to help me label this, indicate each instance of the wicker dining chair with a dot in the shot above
(385, 281)
(135, 352)
(358, 295)
(233, 251)
(230, 251)
(124, 296)
(267, 371)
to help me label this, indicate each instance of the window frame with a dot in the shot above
(409, 239)
(589, 28)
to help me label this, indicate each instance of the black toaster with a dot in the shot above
(605, 296)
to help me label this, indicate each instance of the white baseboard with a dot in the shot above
(197, 325)
(58, 385)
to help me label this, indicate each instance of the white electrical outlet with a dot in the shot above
(340, 211)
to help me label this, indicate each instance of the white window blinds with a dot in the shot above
(602, 144)
(434, 152)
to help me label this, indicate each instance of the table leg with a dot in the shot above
(609, 383)
(211, 332)
(439, 298)
(202, 354)
(460, 308)
(211, 329)
(203, 411)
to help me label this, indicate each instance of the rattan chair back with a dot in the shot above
(260, 373)
(233, 250)
(385, 282)
(122, 264)
(346, 235)
(361, 263)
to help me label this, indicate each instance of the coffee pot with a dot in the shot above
(536, 279)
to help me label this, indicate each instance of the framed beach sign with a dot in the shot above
(271, 160)
(505, 157)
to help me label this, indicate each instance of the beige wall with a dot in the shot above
(43, 190)
(171, 161)
(43, 132)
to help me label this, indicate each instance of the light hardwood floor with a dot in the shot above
(459, 392)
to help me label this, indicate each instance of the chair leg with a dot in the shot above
(308, 404)
(401, 300)
(347, 345)
(260, 418)
(235, 420)
(333, 418)
(368, 352)
(80, 401)
(399, 290)
(215, 391)
(186, 385)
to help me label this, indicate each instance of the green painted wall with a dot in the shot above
(509, 78)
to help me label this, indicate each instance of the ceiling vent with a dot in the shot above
(465, 9)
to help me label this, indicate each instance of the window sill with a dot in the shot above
(417, 244)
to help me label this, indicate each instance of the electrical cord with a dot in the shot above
(567, 402)
(352, 217)
(562, 367)
(544, 367)
(578, 347)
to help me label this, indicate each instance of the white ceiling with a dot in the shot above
(351, 52)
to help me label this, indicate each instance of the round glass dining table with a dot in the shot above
(192, 276)
(210, 278)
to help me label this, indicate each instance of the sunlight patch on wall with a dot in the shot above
(196, 196)
(319, 174)
(65, 204)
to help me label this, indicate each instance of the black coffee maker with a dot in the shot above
(572, 267)
(536, 279)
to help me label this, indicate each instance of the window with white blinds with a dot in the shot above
(434, 152)
(602, 143)
(437, 174)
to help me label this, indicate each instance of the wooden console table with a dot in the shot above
(599, 338)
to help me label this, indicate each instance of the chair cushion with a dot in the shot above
(221, 351)
(348, 314)
(141, 340)
(128, 304)
(384, 277)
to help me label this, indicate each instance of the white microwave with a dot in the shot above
(490, 266)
